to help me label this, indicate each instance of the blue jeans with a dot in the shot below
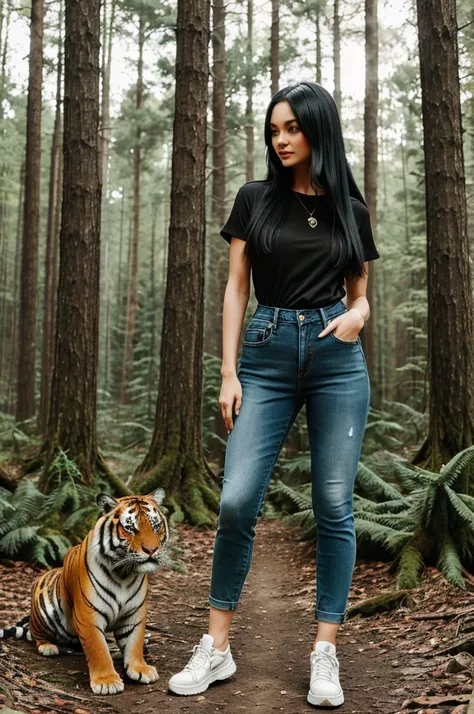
(284, 365)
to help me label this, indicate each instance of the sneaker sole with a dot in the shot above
(220, 674)
(335, 701)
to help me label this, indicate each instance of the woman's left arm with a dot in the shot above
(351, 322)
(356, 289)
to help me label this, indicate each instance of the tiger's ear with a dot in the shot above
(105, 502)
(158, 495)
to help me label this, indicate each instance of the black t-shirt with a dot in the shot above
(297, 274)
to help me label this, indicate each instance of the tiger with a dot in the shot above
(102, 587)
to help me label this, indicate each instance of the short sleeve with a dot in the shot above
(236, 224)
(362, 217)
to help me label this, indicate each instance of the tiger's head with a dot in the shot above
(133, 532)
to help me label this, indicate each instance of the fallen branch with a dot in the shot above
(380, 603)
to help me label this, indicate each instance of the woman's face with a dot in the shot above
(287, 136)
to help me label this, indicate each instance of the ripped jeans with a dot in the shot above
(284, 365)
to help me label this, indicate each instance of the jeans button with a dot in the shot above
(301, 317)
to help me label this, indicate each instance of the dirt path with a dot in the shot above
(382, 658)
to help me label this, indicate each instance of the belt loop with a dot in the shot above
(275, 317)
(323, 317)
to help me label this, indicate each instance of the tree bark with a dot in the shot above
(15, 307)
(105, 113)
(31, 223)
(73, 408)
(175, 458)
(132, 299)
(370, 173)
(249, 85)
(275, 46)
(450, 318)
(217, 258)
(317, 32)
(337, 56)
(50, 283)
(153, 306)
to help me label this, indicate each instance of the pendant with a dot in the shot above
(312, 222)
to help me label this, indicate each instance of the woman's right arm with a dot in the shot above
(236, 299)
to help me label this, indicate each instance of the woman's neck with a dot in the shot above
(301, 175)
(308, 190)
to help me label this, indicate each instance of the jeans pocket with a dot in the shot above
(258, 332)
(345, 342)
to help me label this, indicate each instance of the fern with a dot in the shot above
(66, 491)
(305, 520)
(378, 506)
(396, 521)
(368, 530)
(460, 507)
(297, 465)
(80, 516)
(456, 466)
(450, 564)
(410, 566)
(15, 539)
(301, 501)
(370, 482)
(25, 503)
(468, 500)
(33, 525)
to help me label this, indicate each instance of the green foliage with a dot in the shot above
(14, 436)
(430, 521)
(410, 566)
(35, 526)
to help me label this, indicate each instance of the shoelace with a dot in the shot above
(323, 665)
(199, 658)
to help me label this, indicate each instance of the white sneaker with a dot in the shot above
(205, 666)
(325, 689)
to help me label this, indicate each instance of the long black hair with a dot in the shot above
(316, 113)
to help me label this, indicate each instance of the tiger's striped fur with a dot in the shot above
(102, 587)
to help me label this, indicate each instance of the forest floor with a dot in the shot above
(389, 662)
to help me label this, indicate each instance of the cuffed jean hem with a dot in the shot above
(330, 616)
(222, 604)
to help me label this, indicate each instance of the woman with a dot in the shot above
(302, 232)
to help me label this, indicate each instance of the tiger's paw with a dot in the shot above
(48, 650)
(111, 684)
(143, 673)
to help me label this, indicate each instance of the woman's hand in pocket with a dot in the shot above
(350, 324)
(231, 392)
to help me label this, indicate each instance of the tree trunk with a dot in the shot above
(275, 46)
(175, 458)
(249, 84)
(6, 348)
(4, 304)
(450, 318)
(50, 286)
(217, 258)
(105, 113)
(31, 223)
(15, 307)
(153, 306)
(337, 56)
(370, 173)
(132, 299)
(73, 408)
(317, 32)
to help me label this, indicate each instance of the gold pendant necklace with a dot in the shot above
(312, 221)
